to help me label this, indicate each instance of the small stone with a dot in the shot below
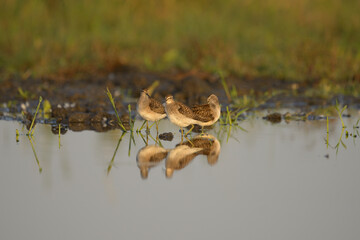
(273, 117)
(166, 136)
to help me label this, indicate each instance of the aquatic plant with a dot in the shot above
(33, 120)
(231, 117)
(340, 112)
(113, 157)
(228, 116)
(35, 155)
(113, 105)
(17, 135)
(46, 109)
(24, 94)
(59, 134)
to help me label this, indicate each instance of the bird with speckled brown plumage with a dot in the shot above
(150, 109)
(207, 114)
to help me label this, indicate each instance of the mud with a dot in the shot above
(82, 104)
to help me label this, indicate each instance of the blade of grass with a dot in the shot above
(113, 157)
(239, 113)
(229, 115)
(116, 113)
(131, 120)
(33, 120)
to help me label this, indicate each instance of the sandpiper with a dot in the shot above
(180, 114)
(207, 114)
(150, 109)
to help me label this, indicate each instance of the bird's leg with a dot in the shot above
(192, 144)
(192, 126)
(182, 132)
(202, 130)
(157, 126)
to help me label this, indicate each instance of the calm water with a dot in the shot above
(268, 182)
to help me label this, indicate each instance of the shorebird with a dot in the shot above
(207, 114)
(150, 109)
(180, 114)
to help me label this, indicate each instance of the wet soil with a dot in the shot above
(82, 104)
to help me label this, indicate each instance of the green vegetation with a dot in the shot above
(340, 112)
(113, 104)
(30, 133)
(299, 40)
(35, 155)
(113, 157)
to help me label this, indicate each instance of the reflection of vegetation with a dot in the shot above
(36, 158)
(226, 130)
(113, 157)
(340, 142)
(59, 134)
(340, 112)
(17, 135)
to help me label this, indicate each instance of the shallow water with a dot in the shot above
(272, 181)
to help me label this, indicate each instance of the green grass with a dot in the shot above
(340, 112)
(114, 107)
(299, 40)
(30, 133)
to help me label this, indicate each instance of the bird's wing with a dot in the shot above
(158, 156)
(185, 110)
(156, 106)
(203, 112)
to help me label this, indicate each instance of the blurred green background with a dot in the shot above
(297, 40)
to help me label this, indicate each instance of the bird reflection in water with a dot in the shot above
(185, 152)
(148, 157)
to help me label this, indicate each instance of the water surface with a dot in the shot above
(272, 181)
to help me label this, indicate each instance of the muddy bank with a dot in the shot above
(83, 104)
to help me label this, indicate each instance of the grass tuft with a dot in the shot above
(116, 113)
